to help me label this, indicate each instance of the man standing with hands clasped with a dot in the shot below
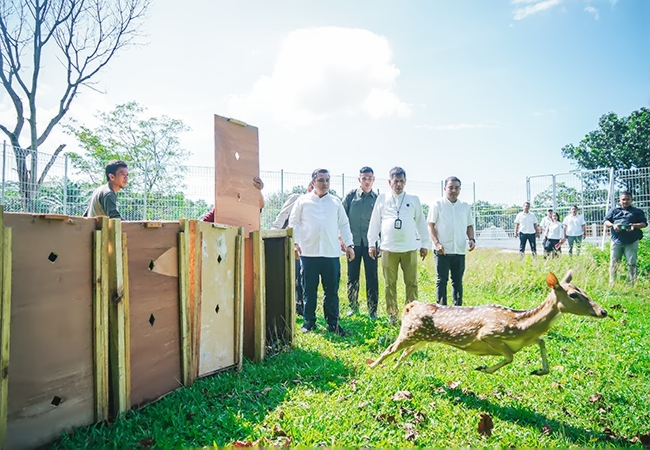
(358, 205)
(399, 218)
(450, 222)
(317, 219)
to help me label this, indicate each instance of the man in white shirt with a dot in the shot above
(317, 219)
(399, 218)
(575, 229)
(450, 222)
(546, 221)
(282, 222)
(526, 230)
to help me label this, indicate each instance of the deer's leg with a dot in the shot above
(542, 350)
(502, 349)
(399, 344)
(406, 353)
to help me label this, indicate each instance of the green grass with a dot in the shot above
(321, 392)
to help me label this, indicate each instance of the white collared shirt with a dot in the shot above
(526, 222)
(452, 220)
(413, 233)
(317, 222)
(574, 224)
(285, 212)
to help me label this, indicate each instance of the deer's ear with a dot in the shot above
(551, 280)
(568, 277)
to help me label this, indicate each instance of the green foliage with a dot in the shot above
(321, 393)
(150, 147)
(619, 142)
(565, 197)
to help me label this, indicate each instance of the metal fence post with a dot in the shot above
(65, 184)
(474, 207)
(282, 196)
(144, 205)
(527, 189)
(342, 194)
(554, 193)
(610, 198)
(4, 165)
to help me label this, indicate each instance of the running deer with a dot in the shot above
(490, 330)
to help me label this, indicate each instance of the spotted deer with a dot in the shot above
(490, 330)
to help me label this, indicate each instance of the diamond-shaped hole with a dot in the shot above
(52, 257)
(237, 156)
(151, 265)
(219, 259)
(152, 319)
(216, 309)
(239, 196)
(56, 401)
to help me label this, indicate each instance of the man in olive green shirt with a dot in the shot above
(103, 202)
(358, 205)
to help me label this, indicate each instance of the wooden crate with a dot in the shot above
(57, 380)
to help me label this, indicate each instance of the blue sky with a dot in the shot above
(484, 90)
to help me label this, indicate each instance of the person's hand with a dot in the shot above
(472, 245)
(516, 234)
(297, 251)
(439, 248)
(258, 183)
(423, 252)
(616, 227)
(349, 251)
(372, 251)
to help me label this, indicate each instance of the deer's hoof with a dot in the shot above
(539, 372)
(481, 369)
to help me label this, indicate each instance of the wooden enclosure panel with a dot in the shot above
(249, 300)
(217, 320)
(154, 310)
(279, 285)
(51, 386)
(236, 164)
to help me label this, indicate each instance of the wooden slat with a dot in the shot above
(100, 322)
(259, 294)
(119, 345)
(5, 324)
(183, 297)
(239, 298)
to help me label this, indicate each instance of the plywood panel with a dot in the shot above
(217, 315)
(236, 163)
(51, 387)
(154, 309)
(278, 291)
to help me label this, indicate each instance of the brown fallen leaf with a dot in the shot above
(453, 384)
(402, 395)
(369, 361)
(594, 398)
(411, 433)
(278, 431)
(388, 418)
(243, 444)
(485, 425)
(547, 430)
(281, 414)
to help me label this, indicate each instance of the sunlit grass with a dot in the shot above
(321, 392)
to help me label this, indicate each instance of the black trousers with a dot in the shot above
(328, 271)
(299, 283)
(446, 264)
(530, 238)
(372, 282)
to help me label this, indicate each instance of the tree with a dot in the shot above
(150, 147)
(83, 36)
(619, 142)
(565, 196)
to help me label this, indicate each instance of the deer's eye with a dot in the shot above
(573, 295)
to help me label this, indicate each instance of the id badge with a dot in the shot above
(398, 224)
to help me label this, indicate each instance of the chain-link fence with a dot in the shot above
(66, 190)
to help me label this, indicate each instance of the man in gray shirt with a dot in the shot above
(358, 205)
(103, 202)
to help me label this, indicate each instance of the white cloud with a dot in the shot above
(592, 10)
(322, 72)
(458, 126)
(535, 7)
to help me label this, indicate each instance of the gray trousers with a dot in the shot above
(616, 253)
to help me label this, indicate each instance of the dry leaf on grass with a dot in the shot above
(485, 425)
(411, 433)
(594, 398)
(547, 430)
(402, 395)
(453, 384)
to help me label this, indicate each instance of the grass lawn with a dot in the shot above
(322, 393)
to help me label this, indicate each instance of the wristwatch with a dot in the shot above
(473, 240)
(351, 246)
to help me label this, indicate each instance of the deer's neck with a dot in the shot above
(540, 318)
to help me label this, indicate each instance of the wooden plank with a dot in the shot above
(51, 387)
(154, 310)
(239, 299)
(100, 321)
(236, 164)
(290, 289)
(259, 294)
(249, 300)
(119, 345)
(184, 319)
(5, 323)
(217, 309)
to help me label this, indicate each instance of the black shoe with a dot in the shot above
(306, 328)
(373, 315)
(338, 330)
(352, 312)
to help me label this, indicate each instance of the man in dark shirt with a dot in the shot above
(626, 222)
(103, 202)
(358, 205)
